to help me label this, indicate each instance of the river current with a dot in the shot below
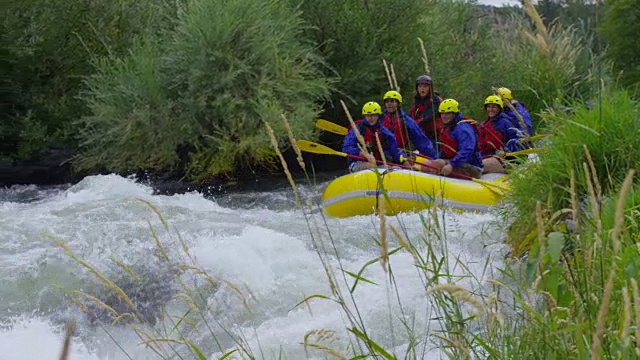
(262, 253)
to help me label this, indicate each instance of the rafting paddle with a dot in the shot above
(331, 127)
(341, 130)
(523, 152)
(308, 146)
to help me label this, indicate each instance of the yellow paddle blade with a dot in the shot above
(331, 127)
(538, 137)
(309, 146)
(498, 189)
(535, 137)
(526, 151)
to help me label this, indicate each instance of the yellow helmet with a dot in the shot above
(505, 93)
(494, 99)
(371, 108)
(393, 95)
(449, 105)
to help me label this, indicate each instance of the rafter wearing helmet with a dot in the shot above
(523, 122)
(459, 146)
(405, 129)
(496, 135)
(425, 108)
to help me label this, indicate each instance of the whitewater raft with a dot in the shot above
(361, 193)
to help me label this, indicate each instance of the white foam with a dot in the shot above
(269, 255)
(35, 338)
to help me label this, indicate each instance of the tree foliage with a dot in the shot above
(620, 27)
(204, 88)
(47, 49)
(186, 85)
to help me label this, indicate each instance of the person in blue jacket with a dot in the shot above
(405, 129)
(368, 128)
(496, 135)
(458, 143)
(522, 123)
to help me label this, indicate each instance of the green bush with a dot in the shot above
(354, 37)
(205, 87)
(132, 122)
(461, 54)
(47, 47)
(611, 132)
(618, 28)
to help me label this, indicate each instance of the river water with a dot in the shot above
(262, 252)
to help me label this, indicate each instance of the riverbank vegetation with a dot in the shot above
(603, 136)
(159, 86)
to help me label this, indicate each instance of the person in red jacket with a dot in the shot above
(405, 129)
(425, 108)
(368, 128)
(459, 144)
(496, 135)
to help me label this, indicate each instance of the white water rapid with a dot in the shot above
(255, 245)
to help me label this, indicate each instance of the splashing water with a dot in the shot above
(261, 252)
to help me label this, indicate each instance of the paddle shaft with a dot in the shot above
(519, 152)
(341, 130)
(453, 173)
(316, 148)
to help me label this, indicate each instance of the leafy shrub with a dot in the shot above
(48, 47)
(205, 87)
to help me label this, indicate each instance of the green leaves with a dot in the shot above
(619, 26)
(203, 89)
(555, 243)
(375, 347)
(48, 48)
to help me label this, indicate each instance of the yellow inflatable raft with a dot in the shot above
(406, 190)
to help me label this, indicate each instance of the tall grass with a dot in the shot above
(202, 91)
(547, 65)
(605, 135)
